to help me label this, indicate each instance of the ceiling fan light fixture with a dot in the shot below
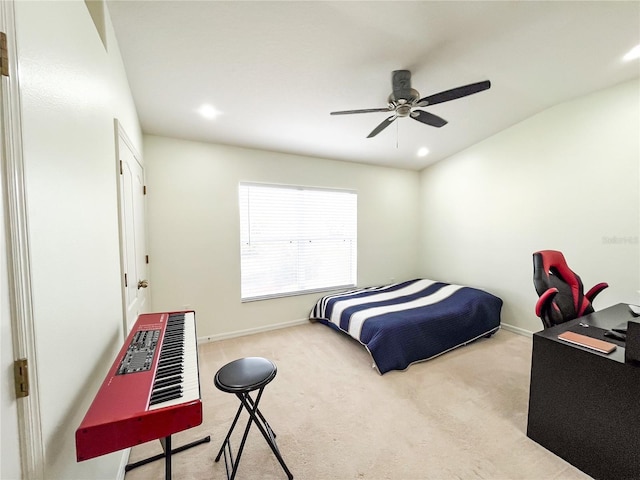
(632, 54)
(403, 110)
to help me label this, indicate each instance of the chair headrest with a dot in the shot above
(553, 259)
(554, 270)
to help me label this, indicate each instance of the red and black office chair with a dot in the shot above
(560, 289)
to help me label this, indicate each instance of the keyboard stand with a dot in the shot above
(168, 452)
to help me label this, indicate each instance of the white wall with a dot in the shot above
(192, 213)
(565, 179)
(71, 90)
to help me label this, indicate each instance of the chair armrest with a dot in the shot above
(545, 299)
(595, 290)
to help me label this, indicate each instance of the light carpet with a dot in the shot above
(461, 415)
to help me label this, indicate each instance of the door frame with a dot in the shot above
(19, 255)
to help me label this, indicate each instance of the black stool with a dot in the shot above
(242, 377)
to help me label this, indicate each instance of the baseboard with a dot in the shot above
(276, 326)
(518, 330)
(251, 331)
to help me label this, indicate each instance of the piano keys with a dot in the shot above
(176, 379)
(151, 391)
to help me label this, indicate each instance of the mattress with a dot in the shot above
(408, 322)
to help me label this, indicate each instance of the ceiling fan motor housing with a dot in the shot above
(403, 96)
(401, 86)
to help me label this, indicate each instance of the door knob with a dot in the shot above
(143, 284)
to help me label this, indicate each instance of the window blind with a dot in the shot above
(296, 239)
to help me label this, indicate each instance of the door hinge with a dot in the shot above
(125, 280)
(146, 258)
(4, 55)
(120, 167)
(21, 377)
(144, 189)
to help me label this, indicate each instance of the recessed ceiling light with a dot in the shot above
(632, 54)
(423, 152)
(208, 111)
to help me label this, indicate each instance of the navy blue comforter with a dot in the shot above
(411, 321)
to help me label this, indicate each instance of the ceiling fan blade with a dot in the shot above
(385, 123)
(428, 118)
(454, 93)
(367, 110)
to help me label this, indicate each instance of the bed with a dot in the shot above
(408, 322)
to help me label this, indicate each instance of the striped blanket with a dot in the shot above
(409, 322)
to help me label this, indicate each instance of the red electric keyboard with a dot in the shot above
(151, 391)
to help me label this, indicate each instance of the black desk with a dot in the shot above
(584, 406)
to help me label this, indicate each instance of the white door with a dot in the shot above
(10, 439)
(132, 230)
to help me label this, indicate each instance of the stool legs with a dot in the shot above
(255, 416)
(264, 427)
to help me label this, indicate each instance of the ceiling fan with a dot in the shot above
(404, 100)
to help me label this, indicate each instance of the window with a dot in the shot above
(296, 239)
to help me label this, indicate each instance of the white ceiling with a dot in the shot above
(275, 69)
